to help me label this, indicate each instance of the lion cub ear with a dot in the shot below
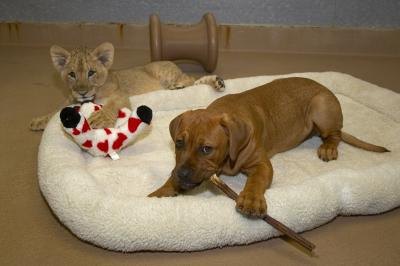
(105, 54)
(59, 56)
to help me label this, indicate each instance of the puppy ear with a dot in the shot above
(59, 56)
(239, 134)
(174, 125)
(105, 54)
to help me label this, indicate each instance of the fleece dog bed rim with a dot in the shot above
(104, 202)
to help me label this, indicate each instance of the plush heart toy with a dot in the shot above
(104, 141)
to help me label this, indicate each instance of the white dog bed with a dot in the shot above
(104, 201)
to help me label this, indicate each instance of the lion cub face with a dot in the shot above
(83, 70)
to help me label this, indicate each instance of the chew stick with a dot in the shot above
(276, 224)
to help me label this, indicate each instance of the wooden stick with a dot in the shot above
(276, 224)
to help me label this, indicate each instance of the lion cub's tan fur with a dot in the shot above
(87, 74)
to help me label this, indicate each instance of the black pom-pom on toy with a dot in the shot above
(145, 114)
(69, 117)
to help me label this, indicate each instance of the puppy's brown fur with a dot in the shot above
(241, 132)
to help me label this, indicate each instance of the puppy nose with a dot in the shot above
(184, 172)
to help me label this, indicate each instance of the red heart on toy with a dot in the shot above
(103, 146)
(86, 126)
(133, 124)
(87, 144)
(119, 141)
(75, 132)
(121, 114)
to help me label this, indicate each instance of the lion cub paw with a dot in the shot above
(327, 152)
(213, 80)
(39, 123)
(251, 204)
(102, 119)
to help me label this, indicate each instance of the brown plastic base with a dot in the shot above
(197, 42)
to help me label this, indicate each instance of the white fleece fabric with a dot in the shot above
(104, 201)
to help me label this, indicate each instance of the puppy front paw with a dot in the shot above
(164, 192)
(251, 204)
(102, 119)
(39, 123)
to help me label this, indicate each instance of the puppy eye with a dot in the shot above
(72, 74)
(91, 73)
(179, 143)
(206, 150)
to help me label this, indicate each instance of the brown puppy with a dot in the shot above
(241, 132)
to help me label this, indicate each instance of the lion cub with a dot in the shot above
(87, 73)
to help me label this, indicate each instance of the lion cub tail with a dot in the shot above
(349, 139)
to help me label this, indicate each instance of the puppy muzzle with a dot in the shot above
(183, 177)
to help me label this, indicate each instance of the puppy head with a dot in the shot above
(204, 142)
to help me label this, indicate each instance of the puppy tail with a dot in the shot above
(353, 141)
